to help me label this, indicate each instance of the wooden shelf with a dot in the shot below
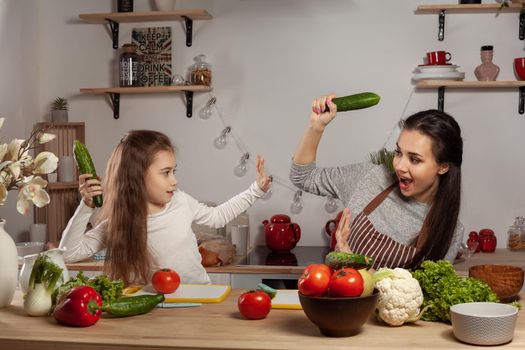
(113, 20)
(114, 94)
(146, 89)
(156, 16)
(432, 84)
(466, 8)
(54, 186)
(454, 84)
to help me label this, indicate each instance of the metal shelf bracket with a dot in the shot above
(522, 25)
(441, 27)
(521, 101)
(189, 103)
(441, 98)
(115, 103)
(113, 26)
(189, 30)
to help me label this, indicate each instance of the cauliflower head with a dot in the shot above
(400, 296)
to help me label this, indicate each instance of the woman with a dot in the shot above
(146, 220)
(402, 218)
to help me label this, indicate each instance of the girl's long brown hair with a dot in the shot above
(125, 205)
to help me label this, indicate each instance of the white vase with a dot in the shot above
(55, 255)
(25, 271)
(164, 5)
(8, 267)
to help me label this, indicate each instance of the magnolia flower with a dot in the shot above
(19, 171)
(32, 191)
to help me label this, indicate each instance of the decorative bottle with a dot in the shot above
(129, 66)
(486, 71)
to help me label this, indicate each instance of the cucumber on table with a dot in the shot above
(356, 101)
(135, 305)
(85, 165)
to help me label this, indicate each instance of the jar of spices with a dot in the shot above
(473, 242)
(487, 240)
(129, 66)
(200, 72)
(516, 234)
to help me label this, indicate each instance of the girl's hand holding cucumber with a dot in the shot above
(89, 187)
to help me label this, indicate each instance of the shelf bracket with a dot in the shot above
(115, 103)
(189, 30)
(521, 101)
(189, 103)
(114, 32)
(522, 25)
(441, 98)
(441, 25)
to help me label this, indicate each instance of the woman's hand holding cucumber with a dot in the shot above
(323, 112)
(89, 188)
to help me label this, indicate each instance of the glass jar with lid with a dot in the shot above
(200, 72)
(516, 234)
(129, 66)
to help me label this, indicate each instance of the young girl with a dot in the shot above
(145, 222)
(398, 219)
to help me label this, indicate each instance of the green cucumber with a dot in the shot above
(134, 305)
(85, 165)
(356, 101)
(339, 260)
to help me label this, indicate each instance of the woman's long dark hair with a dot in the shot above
(125, 205)
(447, 148)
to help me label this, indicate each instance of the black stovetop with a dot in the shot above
(299, 256)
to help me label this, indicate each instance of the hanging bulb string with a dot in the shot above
(396, 125)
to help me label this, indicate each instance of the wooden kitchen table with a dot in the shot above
(220, 326)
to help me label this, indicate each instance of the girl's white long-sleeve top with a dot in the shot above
(171, 241)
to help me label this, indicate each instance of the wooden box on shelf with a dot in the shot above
(64, 195)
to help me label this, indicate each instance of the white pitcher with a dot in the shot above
(55, 255)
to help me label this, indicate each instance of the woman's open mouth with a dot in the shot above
(404, 183)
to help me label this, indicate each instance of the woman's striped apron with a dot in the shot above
(366, 240)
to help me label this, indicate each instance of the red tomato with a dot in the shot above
(346, 282)
(254, 304)
(315, 279)
(165, 281)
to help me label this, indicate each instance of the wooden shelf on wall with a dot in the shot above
(115, 92)
(54, 186)
(454, 84)
(466, 8)
(155, 16)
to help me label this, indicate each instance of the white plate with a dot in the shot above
(437, 69)
(444, 76)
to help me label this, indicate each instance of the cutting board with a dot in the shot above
(286, 299)
(188, 293)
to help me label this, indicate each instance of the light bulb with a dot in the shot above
(330, 205)
(241, 169)
(297, 204)
(221, 141)
(177, 79)
(207, 110)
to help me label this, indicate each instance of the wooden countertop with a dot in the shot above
(220, 326)
(500, 256)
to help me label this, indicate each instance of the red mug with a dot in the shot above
(331, 227)
(519, 67)
(438, 57)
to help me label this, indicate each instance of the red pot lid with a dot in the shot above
(280, 219)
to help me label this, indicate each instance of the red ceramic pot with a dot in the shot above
(281, 234)
(487, 240)
(519, 68)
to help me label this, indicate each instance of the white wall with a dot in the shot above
(19, 67)
(269, 60)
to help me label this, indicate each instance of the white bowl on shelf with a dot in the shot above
(483, 323)
(440, 76)
(437, 68)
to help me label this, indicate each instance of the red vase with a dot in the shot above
(487, 241)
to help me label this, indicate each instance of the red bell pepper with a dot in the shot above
(79, 307)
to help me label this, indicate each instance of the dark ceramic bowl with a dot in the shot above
(339, 317)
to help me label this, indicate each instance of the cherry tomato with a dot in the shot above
(315, 279)
(254, 304)
(165, 281)
(346, 282)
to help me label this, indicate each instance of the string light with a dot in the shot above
(241, 169)
(297, 204)
(221, 141)
(331, 205)
(206, 111)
